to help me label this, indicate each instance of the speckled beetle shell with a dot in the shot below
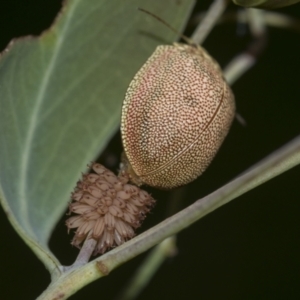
(176, 113)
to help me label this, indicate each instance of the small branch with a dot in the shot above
(210, 19)
(148, 269)
(282, 160)
(244, 61)
(238, 66)
(157, 256)
(84, 255)
(256, 21)
(272, 18)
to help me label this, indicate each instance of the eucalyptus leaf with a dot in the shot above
(61, 96)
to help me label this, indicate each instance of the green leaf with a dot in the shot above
(265, 3)
(61, 96)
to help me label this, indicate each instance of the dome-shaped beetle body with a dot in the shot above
(176, 113)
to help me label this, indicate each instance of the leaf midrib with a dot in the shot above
(25, 155)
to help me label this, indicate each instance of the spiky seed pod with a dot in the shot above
(108, 209)
(176, 113)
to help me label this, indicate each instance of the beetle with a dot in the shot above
(176, 113)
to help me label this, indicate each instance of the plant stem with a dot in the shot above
(275, 164)
(148, 269)
(210, 19)
(271, 18)
(244, 61)
(237, 67)
(157, 256)
(84, 254)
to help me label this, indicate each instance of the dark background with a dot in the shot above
(248, 249)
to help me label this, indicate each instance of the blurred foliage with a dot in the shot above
(271, 4)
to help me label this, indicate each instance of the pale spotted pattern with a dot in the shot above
(176, 113)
